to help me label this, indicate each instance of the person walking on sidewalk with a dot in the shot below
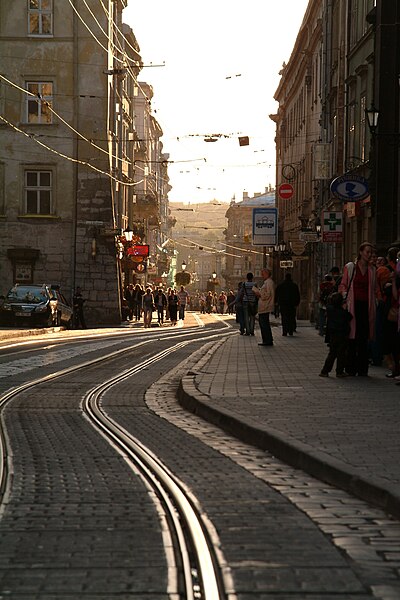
(360, 289)
(337, 335)
(287, 296)
(183, 298)
(266, 304)
(77, 304)
(249, 300)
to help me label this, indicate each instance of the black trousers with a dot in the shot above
(357, 353)
(288, 316)
(337, 351)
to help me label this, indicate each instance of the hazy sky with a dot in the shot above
(222, 62)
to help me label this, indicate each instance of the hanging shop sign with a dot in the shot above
(350, 188)
(138, 250)
(332, 226)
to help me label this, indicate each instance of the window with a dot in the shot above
(363, 106)
(38, 192)
(40, 17)
(38, 108)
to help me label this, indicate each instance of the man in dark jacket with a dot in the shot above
(287, 296)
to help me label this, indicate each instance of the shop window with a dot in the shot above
(40, 17)
(38, 110)
(38, 192)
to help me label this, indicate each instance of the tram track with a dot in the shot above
(198, 574)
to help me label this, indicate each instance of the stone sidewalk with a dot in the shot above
(342, 431)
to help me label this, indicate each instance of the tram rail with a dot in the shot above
(198, 573)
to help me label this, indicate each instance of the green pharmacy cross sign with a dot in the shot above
(332, 222)
(332, 230)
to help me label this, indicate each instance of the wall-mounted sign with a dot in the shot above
(350, 188)
(286, 264)
(265, 226)
(332, 226)
(138, 250)
(285, 191)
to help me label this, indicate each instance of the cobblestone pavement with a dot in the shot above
(344, 431)
(269, 561)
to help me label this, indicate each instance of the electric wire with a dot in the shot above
(69, 158)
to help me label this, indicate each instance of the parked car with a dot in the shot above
(40, 305)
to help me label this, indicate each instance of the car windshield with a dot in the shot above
(33, 295)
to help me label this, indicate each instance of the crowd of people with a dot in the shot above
(141, 302)
(358, 310)
(170, 305)
(359, 314)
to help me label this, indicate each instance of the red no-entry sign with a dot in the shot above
(285, 191)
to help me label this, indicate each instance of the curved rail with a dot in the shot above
(201, 578)
(201, 574)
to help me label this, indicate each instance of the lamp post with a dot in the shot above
(183, 266)
(372, 115)
(128, 233)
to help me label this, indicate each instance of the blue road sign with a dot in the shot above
(350, 188)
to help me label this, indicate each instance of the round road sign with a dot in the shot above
(285, 191)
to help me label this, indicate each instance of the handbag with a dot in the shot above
(393, 314)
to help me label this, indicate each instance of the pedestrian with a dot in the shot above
(230, 300)
(202, 304)
(337, 334)
(77, 304)
(238, 305)
(130, 298)
(250, 302)
(183, 298)
(138, 301)
(360, 290)
(209, 302)
(160, 301)
(337, 277)
(287, 296)
(326, 288)
(147, 305)
(173, 302)
(221, 302)
(375, 346)
(266, 304)
(386, 277)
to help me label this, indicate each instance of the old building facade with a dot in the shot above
(68, 177)
(341, 66)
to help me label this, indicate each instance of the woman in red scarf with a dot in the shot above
(361, 291)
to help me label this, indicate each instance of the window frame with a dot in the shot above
(38, 188)
(47, 98)
(40, 13)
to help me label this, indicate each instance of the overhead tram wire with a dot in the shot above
(38, 96)
(121, 50)
(69, 158)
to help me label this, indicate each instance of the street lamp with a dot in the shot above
(128, 233)
(214, 276)
(183, 266)
(372, 115)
